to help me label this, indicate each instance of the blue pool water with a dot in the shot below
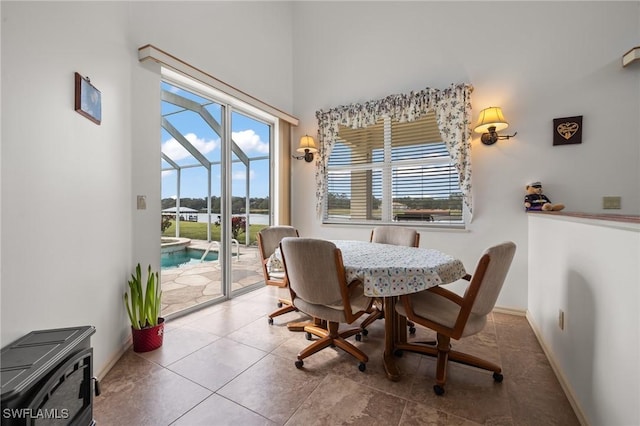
(183, 257)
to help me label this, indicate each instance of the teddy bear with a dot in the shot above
(535, 200)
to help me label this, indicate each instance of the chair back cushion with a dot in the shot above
(271, 236)
(500, 257)
(394, 235)
(311, 270)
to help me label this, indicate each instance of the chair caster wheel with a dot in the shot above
(439, 390)
(365, 332)
(362, 366)
(398, 353)
(270, 321)
(412, 330)
(497, 377)
(358, 337)
(299, 364)
(308, 336)
(279, 304)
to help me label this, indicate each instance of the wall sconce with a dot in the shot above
(308, 146)
(490, 122)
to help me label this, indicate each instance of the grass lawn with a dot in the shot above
(198, 231)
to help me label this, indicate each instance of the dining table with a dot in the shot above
(388, 271)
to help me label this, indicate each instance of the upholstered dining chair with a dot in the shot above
(319, 288)
(389, 235)
(395, 235)
(453, 317)
(268, 240)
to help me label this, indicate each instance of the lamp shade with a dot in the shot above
(491, 117)
(307, 142)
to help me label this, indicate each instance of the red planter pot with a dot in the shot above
(148, 339)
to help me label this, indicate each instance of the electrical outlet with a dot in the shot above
(561, 319)
(611, 202)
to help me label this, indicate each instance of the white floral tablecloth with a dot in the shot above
(389, 270)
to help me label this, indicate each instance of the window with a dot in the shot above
(392, 172)
(393, 159)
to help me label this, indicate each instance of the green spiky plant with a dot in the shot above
(143, 307)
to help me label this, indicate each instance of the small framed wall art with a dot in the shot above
(88, 100)
(567, 130)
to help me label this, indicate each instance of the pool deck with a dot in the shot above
(192, 284)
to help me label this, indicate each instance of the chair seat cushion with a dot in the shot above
(335, 311)
(359, 302)
(441, 310)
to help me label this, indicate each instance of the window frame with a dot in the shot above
(387, 167)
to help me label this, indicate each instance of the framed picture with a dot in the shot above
(567, 130)
(88, 100)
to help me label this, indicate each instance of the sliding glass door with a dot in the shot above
(250, 194)
(216, 186)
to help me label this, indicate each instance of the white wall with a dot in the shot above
(591, 273)
(70, 232)
(66, 182)
(69, 186)
(537, 60)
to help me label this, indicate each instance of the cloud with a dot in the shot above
(241, 175)
(249, 142)
(174, 150)
(167, 173)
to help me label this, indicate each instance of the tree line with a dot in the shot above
(238, 204)
(453, 202)
(335, 201)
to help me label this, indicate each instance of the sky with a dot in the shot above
(251, 136)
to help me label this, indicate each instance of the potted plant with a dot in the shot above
(143, 307)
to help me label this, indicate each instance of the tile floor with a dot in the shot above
(225, 365)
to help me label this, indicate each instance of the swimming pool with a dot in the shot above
(182, 257)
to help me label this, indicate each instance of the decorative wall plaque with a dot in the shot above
(88, 100)
(567, 130)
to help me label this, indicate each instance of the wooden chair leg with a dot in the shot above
(444, 346)
(374, 315)
(316, 330)
(285, 309)
(350, 332)
(401, 329)
(350, 349)
(283, 302)
(300, 326)
(331, 336)
(316, 346)
(473, 361)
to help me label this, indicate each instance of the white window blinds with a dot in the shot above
(392, 172)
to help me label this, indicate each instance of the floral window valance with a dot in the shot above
(452, 108)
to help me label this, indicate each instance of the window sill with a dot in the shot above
(420, 226)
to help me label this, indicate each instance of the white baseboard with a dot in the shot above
(559, 374)
(510, 311)
(115, 358)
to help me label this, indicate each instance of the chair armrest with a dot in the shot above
(455, 298)
(352, 285)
